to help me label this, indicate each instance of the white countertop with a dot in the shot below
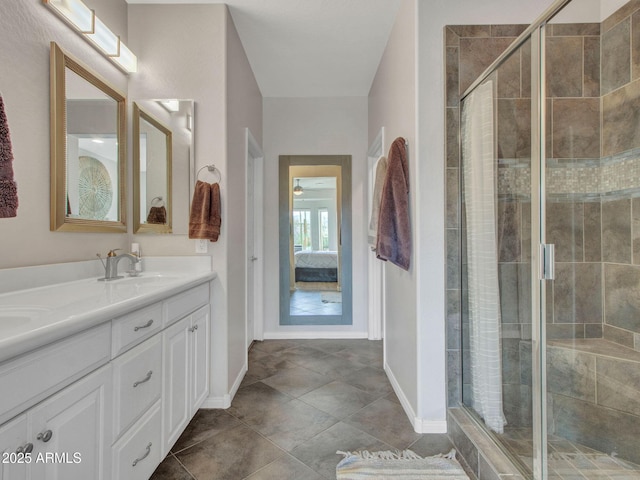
(31, 318)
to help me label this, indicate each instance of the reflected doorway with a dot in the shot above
(315, 240)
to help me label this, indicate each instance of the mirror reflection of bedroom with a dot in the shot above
(315, 240)
(315, 275)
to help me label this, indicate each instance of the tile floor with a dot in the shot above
(300, 401)
(311, 303)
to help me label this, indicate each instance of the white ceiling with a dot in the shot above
(311, 48)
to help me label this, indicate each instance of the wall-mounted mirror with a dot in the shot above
(163, 164)
(88, 149)
(152, 149)
(315, 240)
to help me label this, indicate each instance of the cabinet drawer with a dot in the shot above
(137, 454)
(134, 327)
(187, 302)
(34, 376)
(137, 382)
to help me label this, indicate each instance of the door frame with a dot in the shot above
(376, 277)
(254, 159)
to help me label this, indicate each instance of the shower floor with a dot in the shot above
(570, 461)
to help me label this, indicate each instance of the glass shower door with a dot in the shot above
(496, 254)
(592, 215)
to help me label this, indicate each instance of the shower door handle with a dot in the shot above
(547, 261)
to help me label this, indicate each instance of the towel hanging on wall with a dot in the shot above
(157, 215)
(394, 224)
(8, 187)
(205, 219)
(381, 172)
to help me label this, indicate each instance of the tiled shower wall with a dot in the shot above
(573, 217)
(621, 145)
(593, 172)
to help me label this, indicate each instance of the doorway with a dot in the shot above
(254, 231)
(315, 240)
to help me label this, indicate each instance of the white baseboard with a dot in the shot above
(317, 335)
(431, 426)
(236, 384)
(224, 401)
(419, 425)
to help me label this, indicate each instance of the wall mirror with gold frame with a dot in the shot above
(163, 125)
(88, 149)
(152, 167)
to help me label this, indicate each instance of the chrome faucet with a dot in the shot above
(111, 267)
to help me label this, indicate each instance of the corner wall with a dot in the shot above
(167, 69)
(392, 105)
(244, 110)
(203, 60)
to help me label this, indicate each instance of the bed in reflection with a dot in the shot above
(316, 266)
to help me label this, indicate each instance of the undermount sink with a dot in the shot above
(12, 318)
(10, 321)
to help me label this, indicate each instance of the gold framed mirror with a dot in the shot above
(88, 149)
(152, 167)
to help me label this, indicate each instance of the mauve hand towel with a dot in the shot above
(205, 219)
(394, 225)
(8, 187)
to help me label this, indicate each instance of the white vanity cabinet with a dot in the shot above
(186, 357)
(64, 437)
(94, 405)
(13, 446)
(71, 431)
(69, 422)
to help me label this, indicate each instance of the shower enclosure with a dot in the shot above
(549, 228)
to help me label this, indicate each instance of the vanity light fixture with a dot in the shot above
(189, 122)
(85, 22)
(297, 190)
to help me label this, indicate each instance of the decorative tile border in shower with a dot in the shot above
(575, 179)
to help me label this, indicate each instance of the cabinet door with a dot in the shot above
(13, 444)
(71, 434)
(199, 358)
(175, 404)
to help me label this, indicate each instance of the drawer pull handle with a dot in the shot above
(28, 448)
(145, 379)
(45, 436)
(193, 329)
(146, 325)
(138, 460)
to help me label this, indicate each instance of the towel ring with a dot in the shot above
(213, 169)
(157, 201)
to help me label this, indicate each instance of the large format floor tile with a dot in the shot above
(387, 421)
(299, 403)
